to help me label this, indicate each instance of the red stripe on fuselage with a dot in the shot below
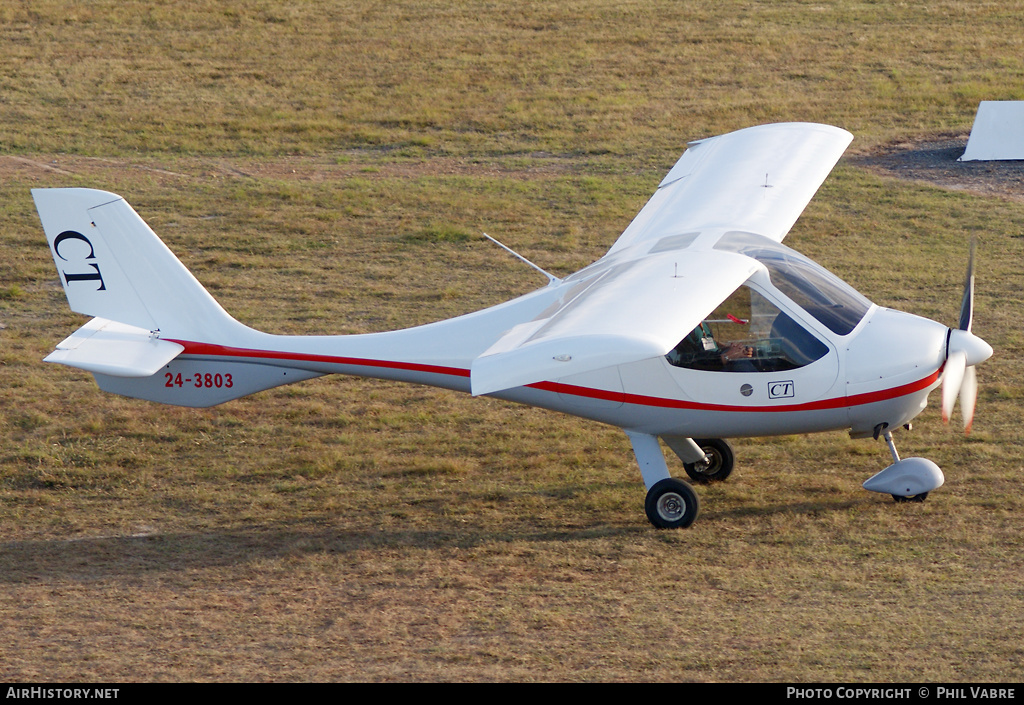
(570, 389)
(833, 403)
(225, 351)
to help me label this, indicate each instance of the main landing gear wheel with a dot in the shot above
(672, 504)
(912, 498)
(718, 465)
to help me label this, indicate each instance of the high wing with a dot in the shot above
(759, 180)
(661, 278)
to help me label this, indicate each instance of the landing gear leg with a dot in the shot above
(671, 503)
(898, 498)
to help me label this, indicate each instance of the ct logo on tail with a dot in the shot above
(74, 253)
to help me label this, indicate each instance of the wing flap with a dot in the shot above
(628, 312)
(111, 348)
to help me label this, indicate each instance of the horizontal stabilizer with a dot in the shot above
(117, 349)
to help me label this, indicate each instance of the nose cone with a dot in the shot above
(894, 348)
(974, 348)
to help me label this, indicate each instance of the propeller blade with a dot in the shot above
(968, 397)
(956, 364)
(964, 350)
(967, 305)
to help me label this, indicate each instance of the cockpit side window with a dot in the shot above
(747, 333)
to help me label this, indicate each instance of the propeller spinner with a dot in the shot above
(964, 350)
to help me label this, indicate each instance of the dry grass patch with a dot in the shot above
(327, 167)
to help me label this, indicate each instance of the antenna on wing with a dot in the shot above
(552, 279)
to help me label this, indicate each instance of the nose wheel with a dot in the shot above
(907, 480)
(912, 498)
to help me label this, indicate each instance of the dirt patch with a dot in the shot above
(930, 159)
(299, 168)
(933, 160)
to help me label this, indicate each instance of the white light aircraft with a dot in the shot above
(697, 325)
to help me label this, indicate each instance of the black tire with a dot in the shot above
(912, 498)
(672, 504)
(720, 463)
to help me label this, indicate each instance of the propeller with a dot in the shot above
(964, 350)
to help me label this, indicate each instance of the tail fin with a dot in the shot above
(113, 266)
(143, 300)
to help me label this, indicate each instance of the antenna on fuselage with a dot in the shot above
(552, 279)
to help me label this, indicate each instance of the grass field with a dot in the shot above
(328, 167)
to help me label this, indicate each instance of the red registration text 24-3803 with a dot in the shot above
(199, 380)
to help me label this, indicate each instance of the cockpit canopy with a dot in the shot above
(833, 302)
(750, 333)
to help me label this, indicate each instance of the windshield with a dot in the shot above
(833, 302)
